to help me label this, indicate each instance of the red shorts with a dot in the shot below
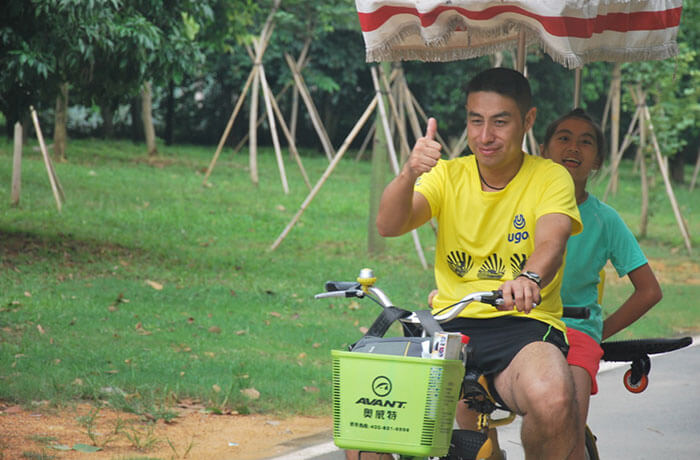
(586, 353)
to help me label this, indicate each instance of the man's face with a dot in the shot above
(495, 128)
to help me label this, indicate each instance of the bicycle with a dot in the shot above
(437, 439)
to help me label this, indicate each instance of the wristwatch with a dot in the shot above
(532, 276)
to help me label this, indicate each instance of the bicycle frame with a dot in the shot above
(475, 388)
(477, 442)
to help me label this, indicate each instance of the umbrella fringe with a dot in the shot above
(438, 49)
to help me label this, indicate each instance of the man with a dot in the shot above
(504, 218)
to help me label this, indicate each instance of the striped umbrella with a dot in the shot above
(572, 32)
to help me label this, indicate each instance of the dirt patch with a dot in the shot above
(194, 434)
(685, 272)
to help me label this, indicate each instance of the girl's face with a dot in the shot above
(574, 146)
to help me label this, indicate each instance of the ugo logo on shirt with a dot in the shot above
(519, 235)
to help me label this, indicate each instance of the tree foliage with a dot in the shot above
(194, 53)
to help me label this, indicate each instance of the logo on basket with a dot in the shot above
(381, 386)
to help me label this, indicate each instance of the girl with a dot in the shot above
(576, 142)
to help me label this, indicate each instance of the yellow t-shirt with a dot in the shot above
(485, 238)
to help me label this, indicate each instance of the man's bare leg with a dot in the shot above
(538, 385)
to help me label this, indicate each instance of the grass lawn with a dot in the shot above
(150, 288)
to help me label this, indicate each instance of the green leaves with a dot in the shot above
(672, 88)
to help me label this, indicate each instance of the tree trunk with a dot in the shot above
(107, 120)
(136, 122)
(148, 129)
(170, 114)
(60, 132)
(677, 168)
(695, 172)
(26, 120)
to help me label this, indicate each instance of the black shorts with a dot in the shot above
(496, 341)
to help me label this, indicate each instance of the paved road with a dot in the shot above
(660, 423)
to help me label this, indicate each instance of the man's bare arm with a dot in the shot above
(551, 234)
(401, 209)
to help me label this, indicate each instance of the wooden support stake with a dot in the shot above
(615, 120)
(411, 109)
(695, 172)
(644, 182)
(53, 179)
(290, 139)
(16, 166)
(261, 118)
(664, 173)
(368, 137)
(267, 95)
(313, 113)
(461, 143)
(343, 148)
(301, 62)
(615, 164)
(395, 113)
(606, 110)
(229, 125)
(252, 128)
(392, 155)
(264, 39)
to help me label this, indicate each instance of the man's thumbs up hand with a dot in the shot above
(426, 152)
(431, 129)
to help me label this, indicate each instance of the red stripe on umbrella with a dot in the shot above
(561, 26)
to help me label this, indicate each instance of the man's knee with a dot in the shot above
(553, 399)
(539, 381)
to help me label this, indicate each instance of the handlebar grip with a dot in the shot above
(342, 285)
(496, 299)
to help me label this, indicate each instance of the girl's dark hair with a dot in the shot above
(582, 115)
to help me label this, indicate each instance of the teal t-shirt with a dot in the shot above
(605, 237)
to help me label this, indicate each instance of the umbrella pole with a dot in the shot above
(577, 87)
(520, 59)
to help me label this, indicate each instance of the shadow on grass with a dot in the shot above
(24, 248)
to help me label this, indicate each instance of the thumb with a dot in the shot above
(431, 129)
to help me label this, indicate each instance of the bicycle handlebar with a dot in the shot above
(495, 298)
(354, 289)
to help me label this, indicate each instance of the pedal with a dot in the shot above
(469, 445)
